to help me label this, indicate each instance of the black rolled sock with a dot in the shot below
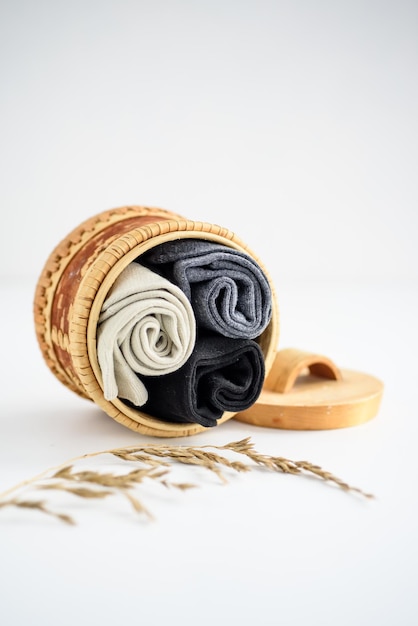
(221, 375)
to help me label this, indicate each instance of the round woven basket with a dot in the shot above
(73, 286)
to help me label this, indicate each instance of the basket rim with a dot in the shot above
(92, 293)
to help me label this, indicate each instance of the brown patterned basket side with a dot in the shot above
(75, 282)
(89, 238)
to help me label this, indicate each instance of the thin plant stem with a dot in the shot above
(155, 462)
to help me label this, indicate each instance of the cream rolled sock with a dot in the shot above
(146, 326)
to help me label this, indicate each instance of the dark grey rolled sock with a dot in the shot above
(228, 290)
(222, 374)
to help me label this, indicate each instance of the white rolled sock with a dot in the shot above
(146, 326)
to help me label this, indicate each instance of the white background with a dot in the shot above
(293, 124)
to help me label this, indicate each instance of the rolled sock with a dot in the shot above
(146, 326)
(229, 292)
(222, 374)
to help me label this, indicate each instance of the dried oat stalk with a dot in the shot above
(153, 462)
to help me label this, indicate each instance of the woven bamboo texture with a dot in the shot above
(73, 286)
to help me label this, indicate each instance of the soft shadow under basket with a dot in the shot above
(73, 286)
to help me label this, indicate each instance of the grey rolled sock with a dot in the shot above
(229, 292)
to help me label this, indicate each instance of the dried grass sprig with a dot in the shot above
(155, 463)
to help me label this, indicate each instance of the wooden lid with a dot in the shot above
(306, 391)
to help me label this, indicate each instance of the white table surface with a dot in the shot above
(263, 549)
(294, 125)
